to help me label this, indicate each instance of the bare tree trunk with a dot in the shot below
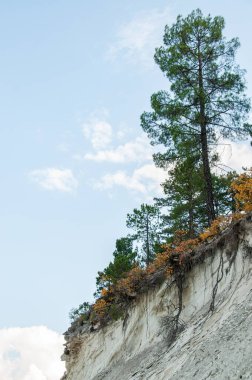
(147, 242)
(190, 218)
(207, 177)
(204, 147)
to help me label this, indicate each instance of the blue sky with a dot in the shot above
(74, 80)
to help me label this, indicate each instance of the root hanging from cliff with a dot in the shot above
(172, 324)
(179, 282)
(231, 240)
(220, 273)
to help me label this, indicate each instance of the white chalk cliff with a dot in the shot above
(214, 339)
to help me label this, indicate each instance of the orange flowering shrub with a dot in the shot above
(178, 251)
(213, 230)
(104, 292)
(242, 187)
(179, 236)
(160, 262)
(130, 285)
(100, 307)
(219, 225)
(186, 246)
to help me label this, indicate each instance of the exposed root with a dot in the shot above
(220, 273)
(172, 324)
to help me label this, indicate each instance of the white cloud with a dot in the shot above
(145, 180)
(120, 178)
(31, 353)
(138, 38)
(235, 155)
(97, 130)
(55, 179)
(138, 150)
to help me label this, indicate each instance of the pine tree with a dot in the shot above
(124, 259)
(146, 224)
(183, 203)
(206, 99)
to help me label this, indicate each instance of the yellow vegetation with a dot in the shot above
(242, 188)
(100, 307)
(130, 284)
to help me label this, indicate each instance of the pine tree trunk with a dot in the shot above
(204, 147)
(191, 231)
(148, 243)
(207, 176)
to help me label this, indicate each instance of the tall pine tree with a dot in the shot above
(206, 100)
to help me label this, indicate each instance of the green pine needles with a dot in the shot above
(206, 100)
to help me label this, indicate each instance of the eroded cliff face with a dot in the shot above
(214, 337)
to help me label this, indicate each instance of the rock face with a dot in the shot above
(214, 339)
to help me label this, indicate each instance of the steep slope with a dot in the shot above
(214, 336)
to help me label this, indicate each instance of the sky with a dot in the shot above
(75, 77)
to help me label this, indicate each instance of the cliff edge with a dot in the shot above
(202, 330)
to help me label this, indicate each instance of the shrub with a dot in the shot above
(242, 188)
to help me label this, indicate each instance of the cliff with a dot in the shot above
(202, 330)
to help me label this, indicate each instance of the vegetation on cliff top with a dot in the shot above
(174, 258)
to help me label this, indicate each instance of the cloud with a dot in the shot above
(97, 130)
(137, 150)
(235, 155)
(145, 180)
(136, 40)
(120, 178)
(55, 179)
(31, 353)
